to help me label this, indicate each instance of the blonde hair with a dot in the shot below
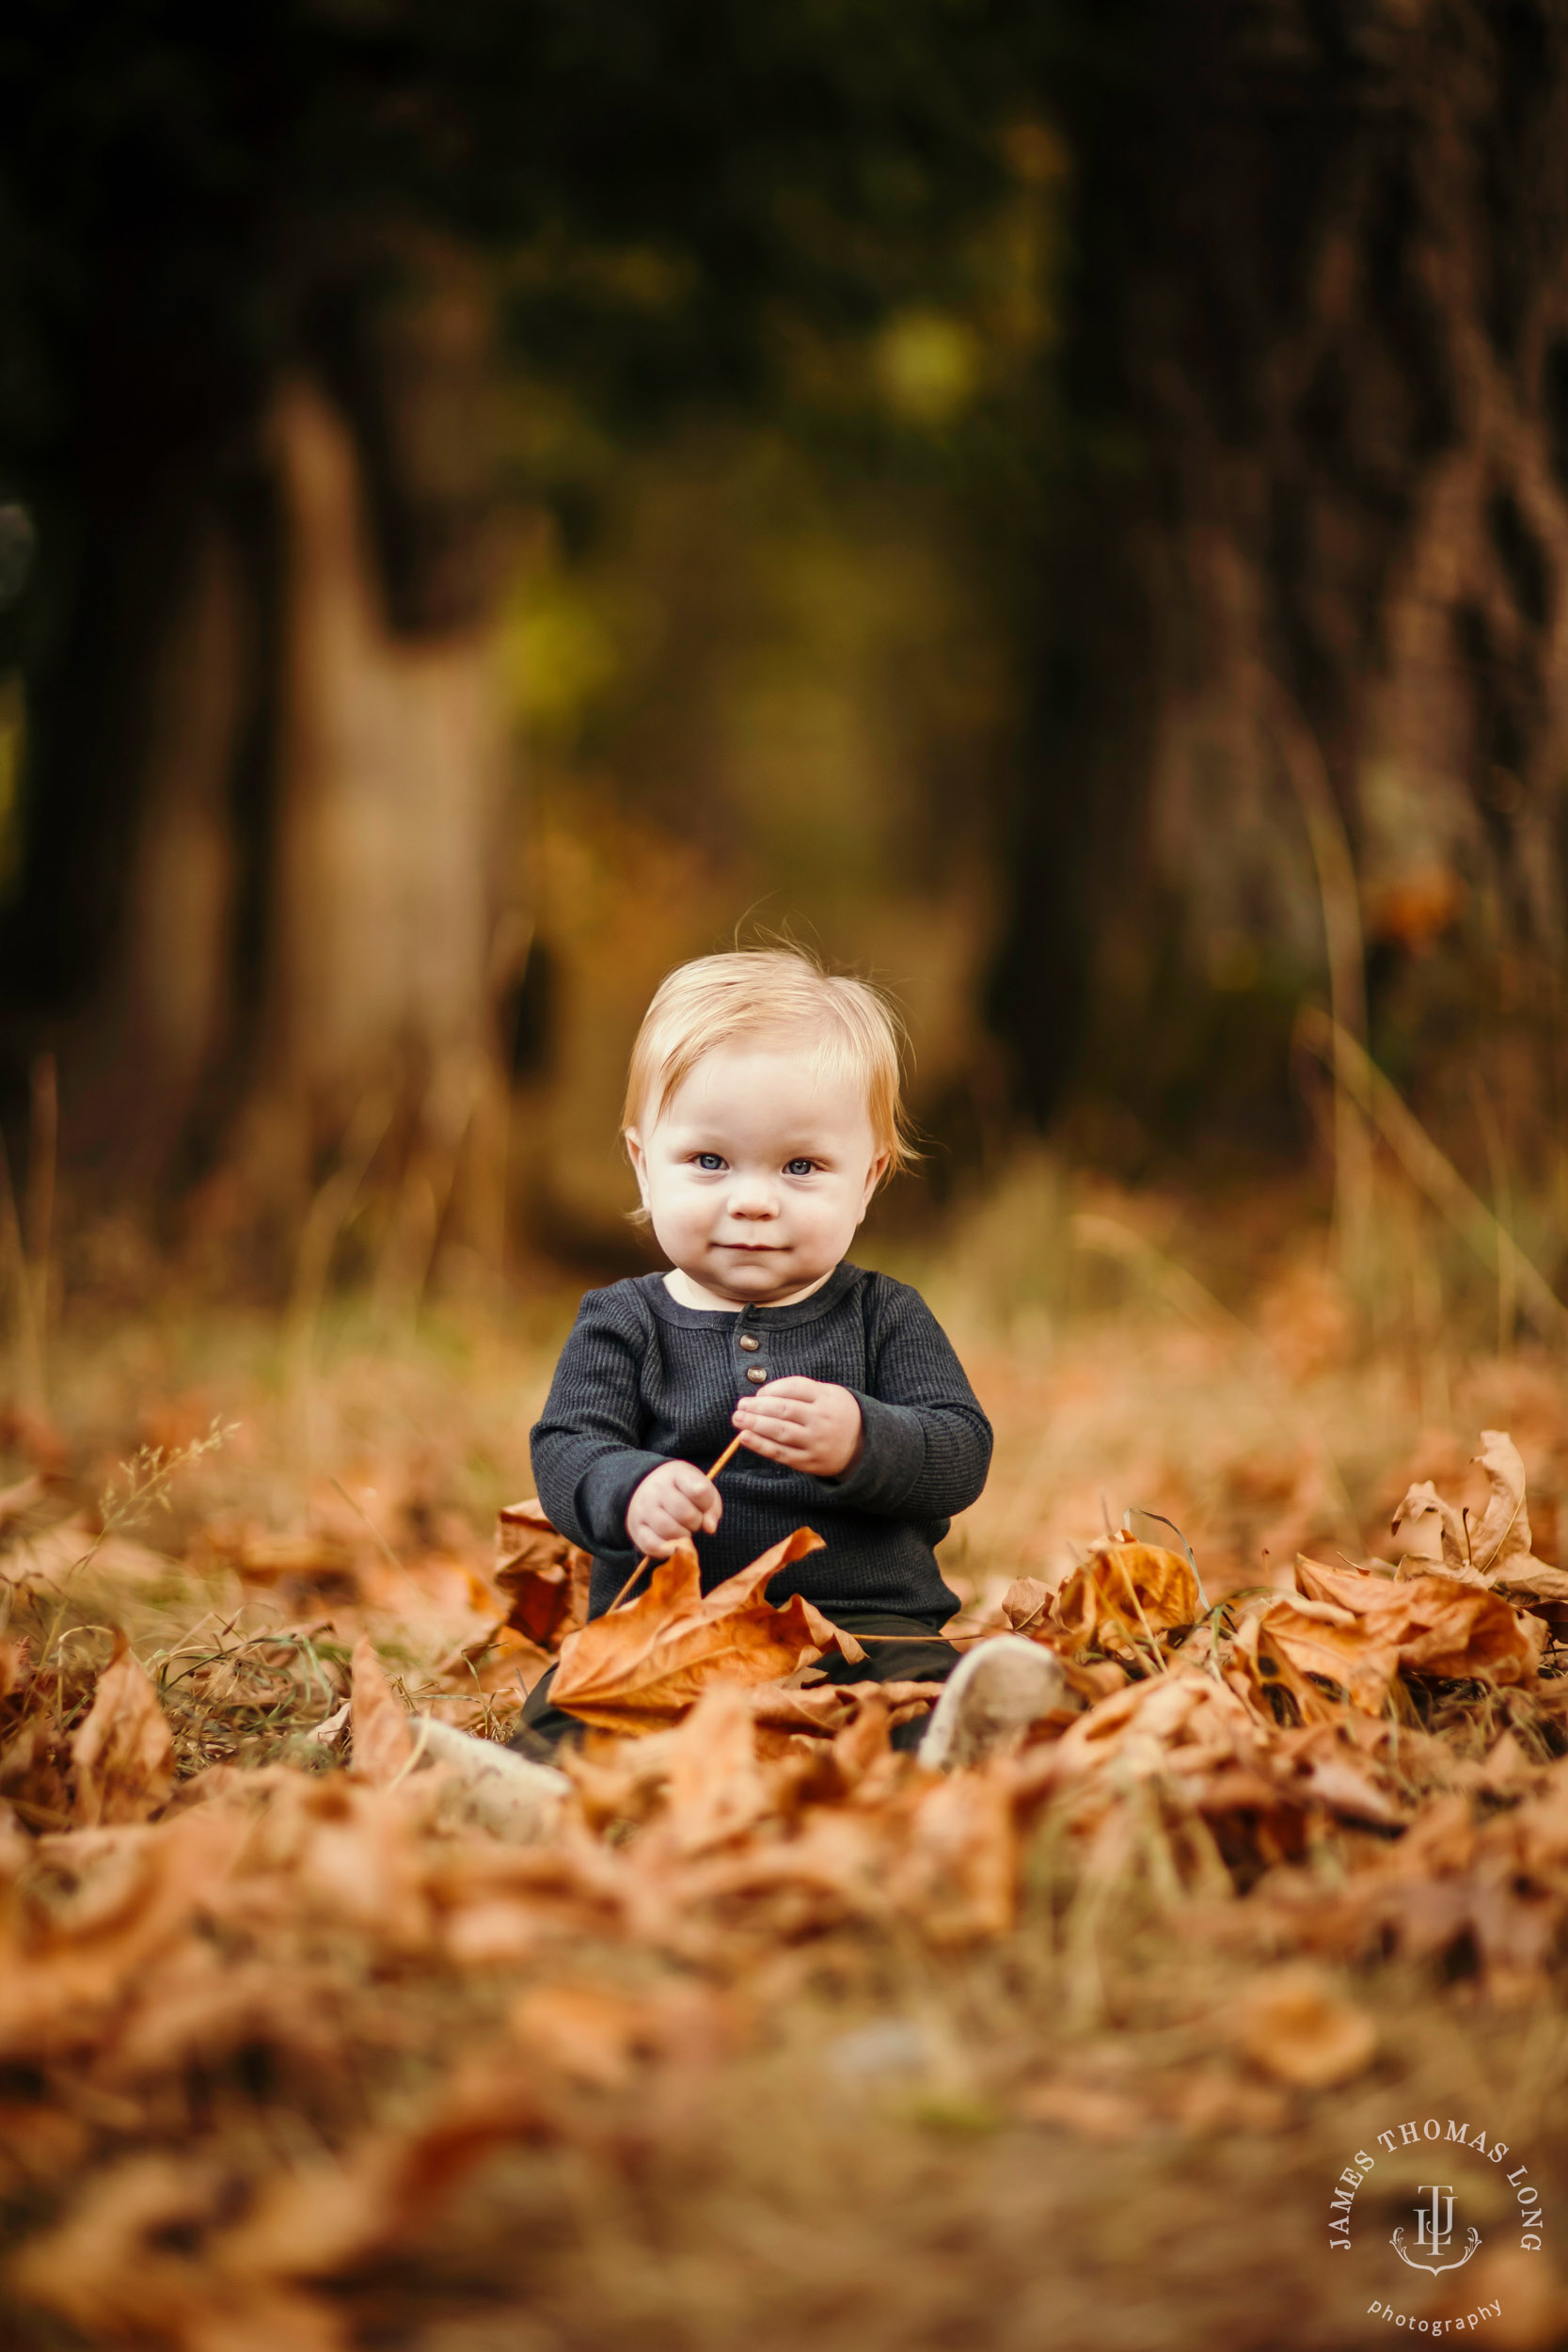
(717, 999)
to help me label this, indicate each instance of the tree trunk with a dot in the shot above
(1323, 328)
(160, 1015)
(264, 885)
(377, 983)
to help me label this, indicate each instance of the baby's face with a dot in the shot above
(757, 1173)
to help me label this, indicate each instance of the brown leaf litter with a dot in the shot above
(1365, 1765)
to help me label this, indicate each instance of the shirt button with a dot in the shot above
(749, 1343)
(756, 1372)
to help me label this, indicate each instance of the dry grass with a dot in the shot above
(1054, 2137)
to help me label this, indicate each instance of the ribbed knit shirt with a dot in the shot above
(644, 1380)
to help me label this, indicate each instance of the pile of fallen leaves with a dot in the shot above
(272, 2031)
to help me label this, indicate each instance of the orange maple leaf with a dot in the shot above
(638, 1668)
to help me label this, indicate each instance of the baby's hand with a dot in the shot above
(807, 1424)
(673, 1502)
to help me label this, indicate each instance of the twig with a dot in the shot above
(728, 1455)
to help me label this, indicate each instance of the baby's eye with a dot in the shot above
(709, 1162)
(800, 1167)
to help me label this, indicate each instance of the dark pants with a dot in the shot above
(912, 1655)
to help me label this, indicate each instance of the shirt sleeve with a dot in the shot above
(927, 1444)
(587, 1462)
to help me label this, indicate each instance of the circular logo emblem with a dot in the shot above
(1417, 2206)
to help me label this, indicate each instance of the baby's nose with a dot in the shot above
(753, 1198)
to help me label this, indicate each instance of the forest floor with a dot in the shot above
(772, 2040)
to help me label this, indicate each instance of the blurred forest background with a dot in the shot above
(1065, 506)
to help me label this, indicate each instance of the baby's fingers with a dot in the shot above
(795, 1386)
(704, 1501)
(687, 1494)
(763, 1412)
(774, 1414)
(668, 1525)
(794, 1450)
(774, 1431)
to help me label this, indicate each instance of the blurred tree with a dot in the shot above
(1308, 580)
(255, 267)
(1278, 539)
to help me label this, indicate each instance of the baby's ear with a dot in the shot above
(877, 1170)
(639, 1160)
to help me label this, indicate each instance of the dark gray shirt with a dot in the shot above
(642, 1379)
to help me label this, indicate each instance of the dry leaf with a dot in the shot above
(1290, 1641)
(133, 2260)
(113, 1903)
(715, 1788)
(544, 1575)
(1295, 2026)
(1506, 1761)
(1501, 1545)
(1324, 1757)
(1433, 1530)
(588, 2031)
(1025, 1602)
(317, 1555)
(383, 1737)
(597, 2034)
(1497, 1551)
(73, 1547)
(1495, 1890)
(826, 1707)
(1530, 1583)
(1126, 1595)
(1144, 1724)
(956, 1871)
(1430, 1624)
(640, 1668)
(1503, 1534)
(124, 1752)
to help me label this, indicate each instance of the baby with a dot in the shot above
(763, 1110)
